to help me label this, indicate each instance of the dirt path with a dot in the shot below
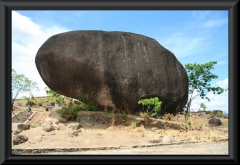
(209, 148)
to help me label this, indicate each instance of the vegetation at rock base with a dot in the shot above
(151, 102)
(70, 111)
(88, 102)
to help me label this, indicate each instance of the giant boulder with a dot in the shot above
(119, 67)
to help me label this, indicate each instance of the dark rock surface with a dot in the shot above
(215, 122)
(119, 67)
(18, 139)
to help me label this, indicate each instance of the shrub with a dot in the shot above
(88, 102)
(79, 119)
(219, 114)
(143, 115)
(123, 115)
(133, 124)
(70, 112)
(151, 102)
(168, 116)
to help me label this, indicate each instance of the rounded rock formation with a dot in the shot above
(118, 67)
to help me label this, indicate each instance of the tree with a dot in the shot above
(20, 83)
(199, 78)
(203, 106)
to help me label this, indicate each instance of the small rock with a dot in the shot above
(53, 121)
(73, 133)
(36, 139)
(23, 127)
(47, 126)
(215, 122)
(55, 127)
(154, 129)
(16, 132)
(61, 127)
(52, 133)
(167, 139)
(73, 126)
(18, 139)
(155, 141)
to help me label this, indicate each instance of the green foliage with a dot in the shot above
(90, 106)
(219, 114)
(199, 78)
(133, 124)
(70, 112)
(143, 115)
(20, 84)
(88, 102)
(79, 119)
(203, 106)
(58, 98)
(212, 114)
(151, 102)
(28, 99)
(123, 115)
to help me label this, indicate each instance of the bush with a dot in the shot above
(168, 116)
(88, 102)
(70, 112)
(133, 124)
(151, 102)
(219, 114)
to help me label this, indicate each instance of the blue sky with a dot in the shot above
(193, 36)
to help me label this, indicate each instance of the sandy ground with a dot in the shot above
(124, 137)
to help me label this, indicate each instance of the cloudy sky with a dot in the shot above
(193, 36)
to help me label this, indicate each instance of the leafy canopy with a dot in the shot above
(20, 83)
(199, 78)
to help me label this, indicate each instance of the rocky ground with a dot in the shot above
(100, 132)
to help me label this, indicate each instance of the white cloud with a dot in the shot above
(183, 45)
(223, 83)
(217, 102)
(27, 37)
(214, 23)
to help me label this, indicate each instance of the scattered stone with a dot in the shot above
(18, 139)
(73, 126)
(61, 127)
(214, 122)
(154, 129)
(56, 114)
(53, 121)
(52, 104)
(55, 127)
(48, 108)
(73, 133)
(167, 139)
(155, 141)
(17, 132)
(23, 127)
(47, 126)
(36, 139)
(52, 133)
